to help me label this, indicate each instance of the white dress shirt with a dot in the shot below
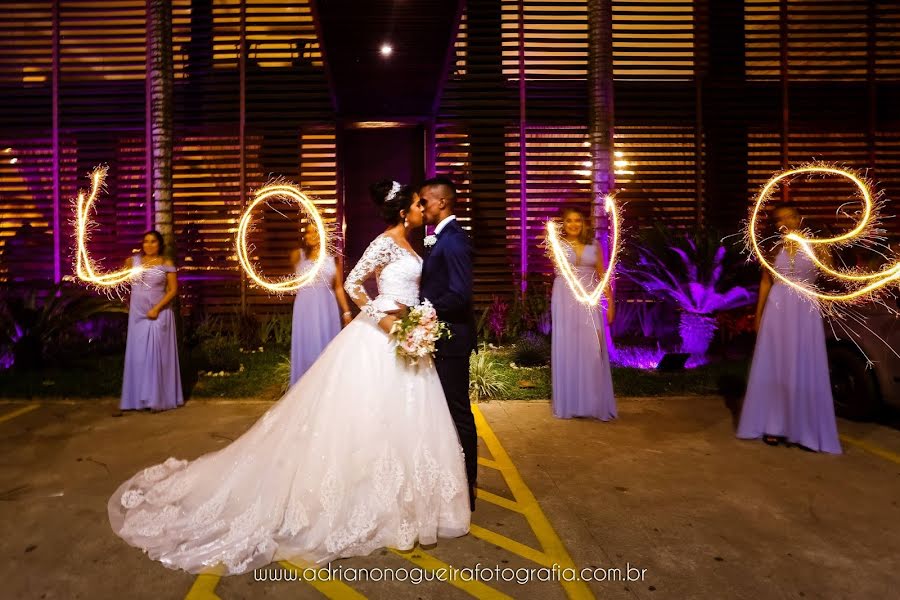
(443, 224)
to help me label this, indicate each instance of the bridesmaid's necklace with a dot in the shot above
(575, 246)
(792, 253)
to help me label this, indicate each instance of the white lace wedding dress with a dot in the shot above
(361, 453)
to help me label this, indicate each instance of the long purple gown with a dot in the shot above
(316, 317)
(152, 377)
(582, 379)
(789, 391)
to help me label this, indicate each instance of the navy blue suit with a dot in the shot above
(447, 284)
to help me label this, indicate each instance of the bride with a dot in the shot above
(361, 453)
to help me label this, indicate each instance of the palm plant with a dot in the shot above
(33, 323)
(696, 271)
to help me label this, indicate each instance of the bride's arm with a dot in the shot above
(376, 256)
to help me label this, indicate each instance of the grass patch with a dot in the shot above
(258, 379)
(102, 377)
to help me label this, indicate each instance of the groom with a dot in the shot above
(447, 284)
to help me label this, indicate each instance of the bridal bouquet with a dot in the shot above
(414, 335)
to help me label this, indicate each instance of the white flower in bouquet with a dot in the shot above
(415, 335)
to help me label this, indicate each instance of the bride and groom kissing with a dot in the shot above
(365, 451)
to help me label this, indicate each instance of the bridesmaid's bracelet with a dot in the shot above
(346, 312)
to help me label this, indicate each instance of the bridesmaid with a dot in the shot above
(152, 377)
(789, 393)
(316, 320)
(582, 380)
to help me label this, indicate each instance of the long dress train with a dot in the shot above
(360, 453)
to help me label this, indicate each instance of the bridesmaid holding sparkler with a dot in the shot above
(582, 379)
(789, 393)
(316, 319)
(152, 378)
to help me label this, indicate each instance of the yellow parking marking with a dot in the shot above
(512, 545)
(422, 559)
(487, 462)
(498, 500)
(551, 544)
(552, 551)
(872, 448)
(19, 411)
(204, 588)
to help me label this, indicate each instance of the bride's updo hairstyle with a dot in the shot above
(391, 198)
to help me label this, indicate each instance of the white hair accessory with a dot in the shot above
(395, 189)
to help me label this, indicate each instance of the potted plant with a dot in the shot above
(696, 271)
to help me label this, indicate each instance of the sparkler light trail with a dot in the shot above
(558, 254)
(289, 193)
(860, 285)
(85, 269)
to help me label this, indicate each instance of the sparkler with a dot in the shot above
(85, 268)
(862, 285)
(559, 257)
(291, 193)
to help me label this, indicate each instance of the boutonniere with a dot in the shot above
(430, 240)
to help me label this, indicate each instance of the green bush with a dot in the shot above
(532, 351)
(282, 374)
(276, 329)
(218, 354)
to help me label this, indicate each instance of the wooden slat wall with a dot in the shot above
(652, 41)
(693, 122)
(478, 106)
(287, 95)
(287, 111)
(26, 147)
(102, 104)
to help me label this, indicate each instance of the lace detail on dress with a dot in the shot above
(397, 273)
(330, 494)
(388, 476)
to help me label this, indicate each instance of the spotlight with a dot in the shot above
(673, 361)
(386, 50)
(13, 160)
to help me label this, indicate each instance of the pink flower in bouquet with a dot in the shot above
(409, 345)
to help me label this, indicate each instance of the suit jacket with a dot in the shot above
(447, 284)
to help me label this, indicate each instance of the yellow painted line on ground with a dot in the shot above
(498, 500)
(19, 411)
(422, 559)
(872, 448)
(204, 588)
(554, 552)
(548, 538)
(512, 545)
(330, 588)
(487, 462)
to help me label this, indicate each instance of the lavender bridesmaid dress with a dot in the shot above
(789, 391)
(152, 377)
(316, 317)
(582, 380)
